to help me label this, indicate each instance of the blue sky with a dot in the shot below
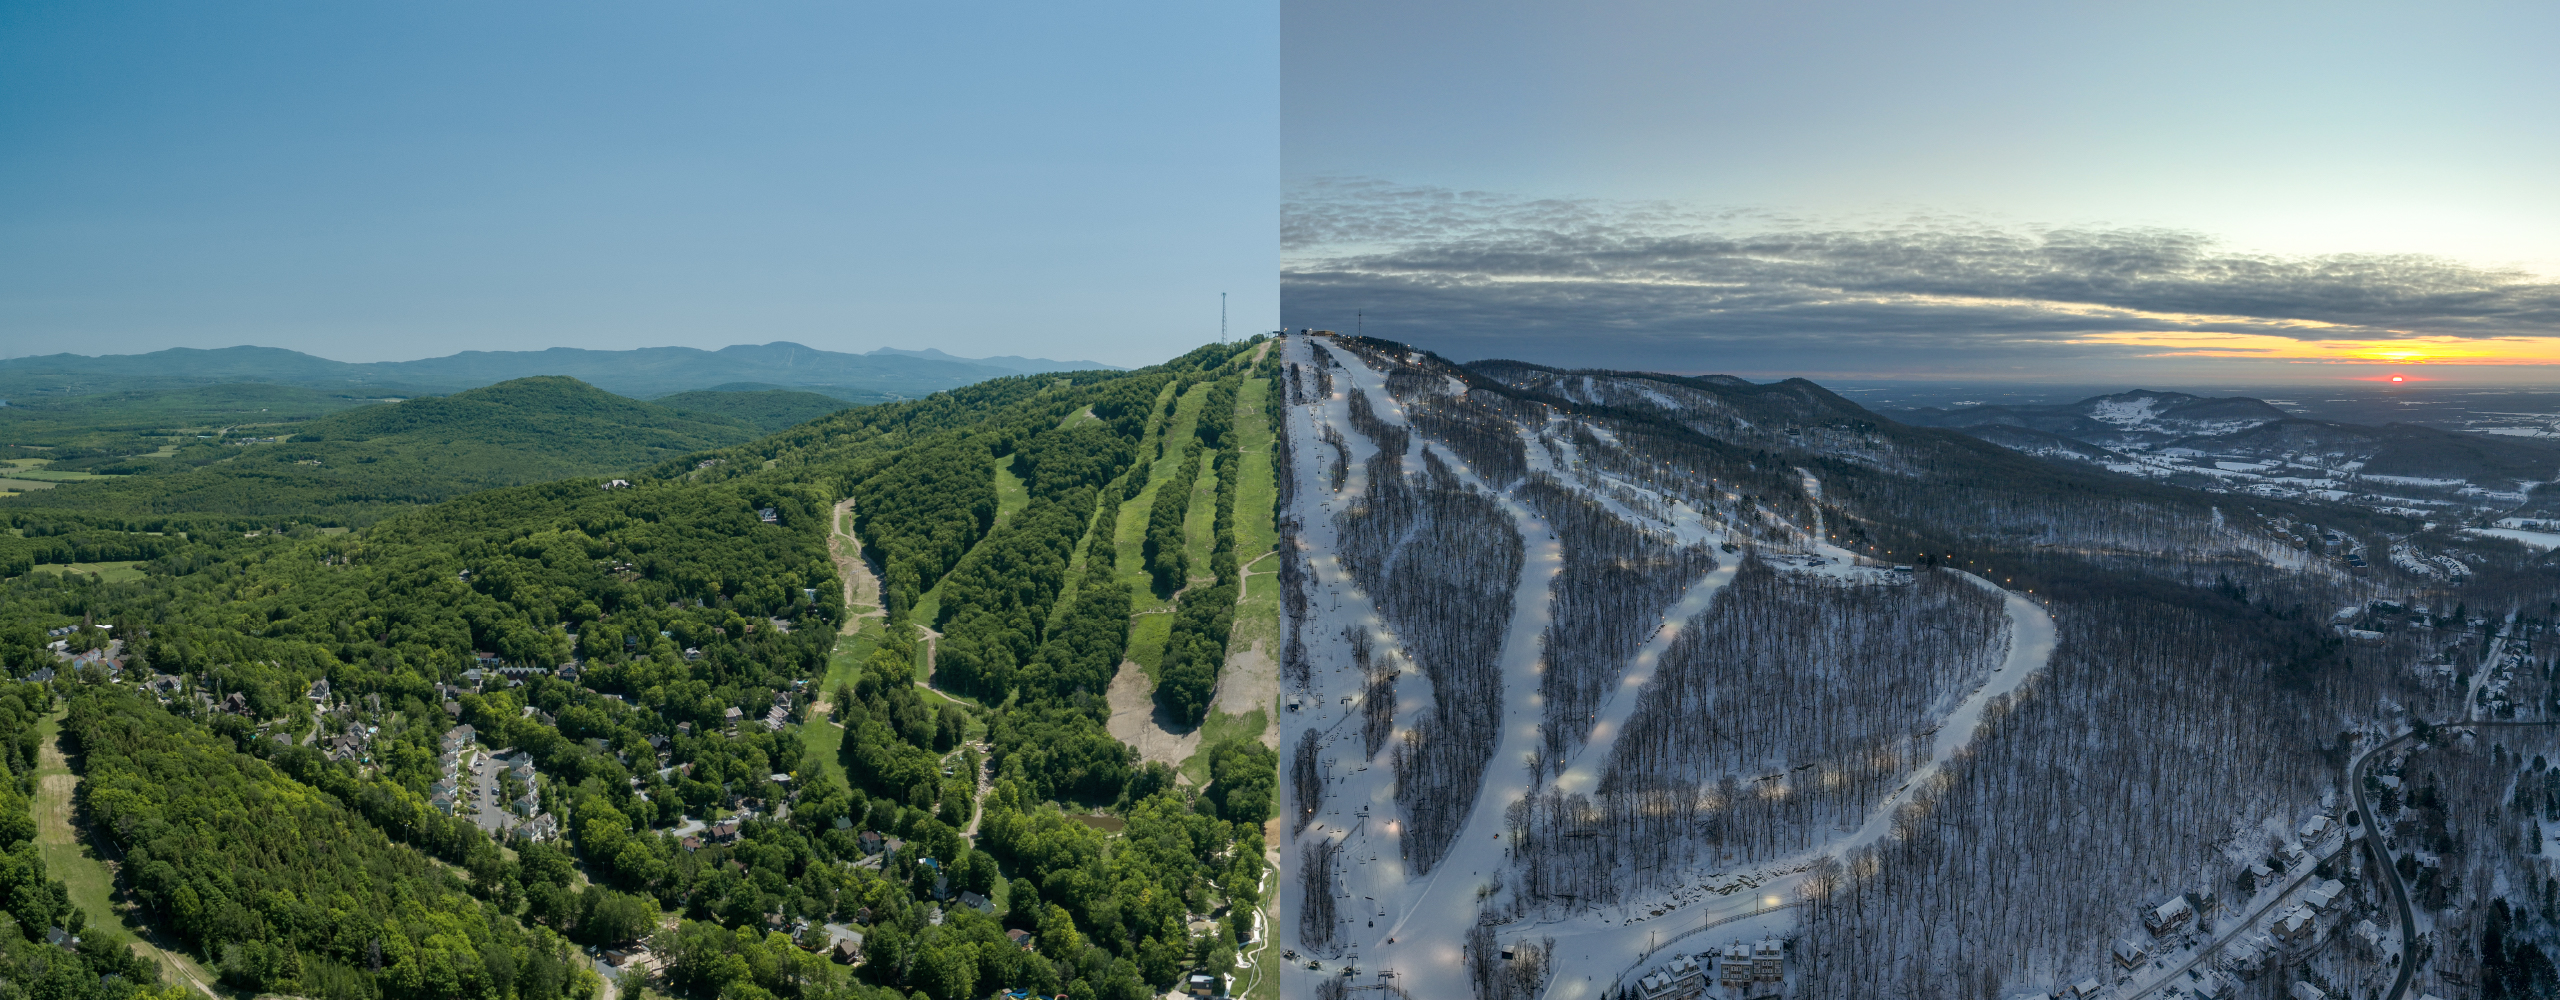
(376, 181)
(1950, 190)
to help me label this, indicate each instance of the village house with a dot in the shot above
(2294, 924)
(1768, 961)
(1680, 980)
(2324, 895)
(1737, 967)
(2170, 917)
(2128, 954)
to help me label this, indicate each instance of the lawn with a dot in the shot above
(110, 572)
(67, 856)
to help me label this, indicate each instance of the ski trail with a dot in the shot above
(1594, 954)
(1582, 773)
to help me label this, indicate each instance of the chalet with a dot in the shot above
(1768, 961)
(1020, 938)
(1680, 980)
(977, 902)
(725, 832)
(731, 715)
(234, 703)
(2086, 989)
(1737, 967)
(2324, 895)
(2368, 939)
(872, 842)
(690, 843)
(2170, 917)
(320, 691)
(441, 795)
(566, 671)
(2315, 828)
(2294, 924)
(846, 947)
(2128, 954)
(487, 661)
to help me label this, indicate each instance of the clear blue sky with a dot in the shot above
(391, 181)
(1957, 188)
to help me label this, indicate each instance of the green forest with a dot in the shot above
(705, 752)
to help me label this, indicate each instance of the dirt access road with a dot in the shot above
(68, 856)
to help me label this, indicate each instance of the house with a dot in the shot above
(977, 902)
(2305, 991)
(2212, 985)
(731, 715)
(234, 703)
(768, 515)
(458, 737)
(1768, 961)
(487, 661)
(846, 946)
(617, 484)
(2294, 924)
(1737, 967)
(540, 828)
(1020, 938)
(724, 832)
(2170, 917)
(777, 717)
(60, 938)
(566, 671)
(2247, 956)
(2368, 939)
(1205, 984)
(2129, 954)
(2085, 988)
(527, 805)
(692, 653)
(872, 842)
(1680, 980)
(320, 691)
(2314, 828)
(2324, 895)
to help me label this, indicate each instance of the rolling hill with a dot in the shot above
(881, 375)
(357, 465)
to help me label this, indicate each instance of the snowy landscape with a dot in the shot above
(1609, 685)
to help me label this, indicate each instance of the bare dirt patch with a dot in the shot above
(1137, 721)
(1251, 680)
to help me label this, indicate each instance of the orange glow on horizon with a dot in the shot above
(2415, 350)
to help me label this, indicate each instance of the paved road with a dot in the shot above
(2382, 853)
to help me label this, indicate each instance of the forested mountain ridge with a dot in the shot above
(694, 603)
(356, 465)
(650, 371)
(1598, 672)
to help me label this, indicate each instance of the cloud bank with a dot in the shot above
(1661, 286)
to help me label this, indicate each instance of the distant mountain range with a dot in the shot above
(887, 373)
(2246, 442)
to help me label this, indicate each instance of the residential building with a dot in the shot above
(1768, 961)
(2170, 917)
(2129, 954)
(1737, 967)
(2294, 924)
(458, 737)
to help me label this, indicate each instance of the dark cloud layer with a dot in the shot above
(1659, 286)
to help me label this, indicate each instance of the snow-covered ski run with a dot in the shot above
(1397, 927)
